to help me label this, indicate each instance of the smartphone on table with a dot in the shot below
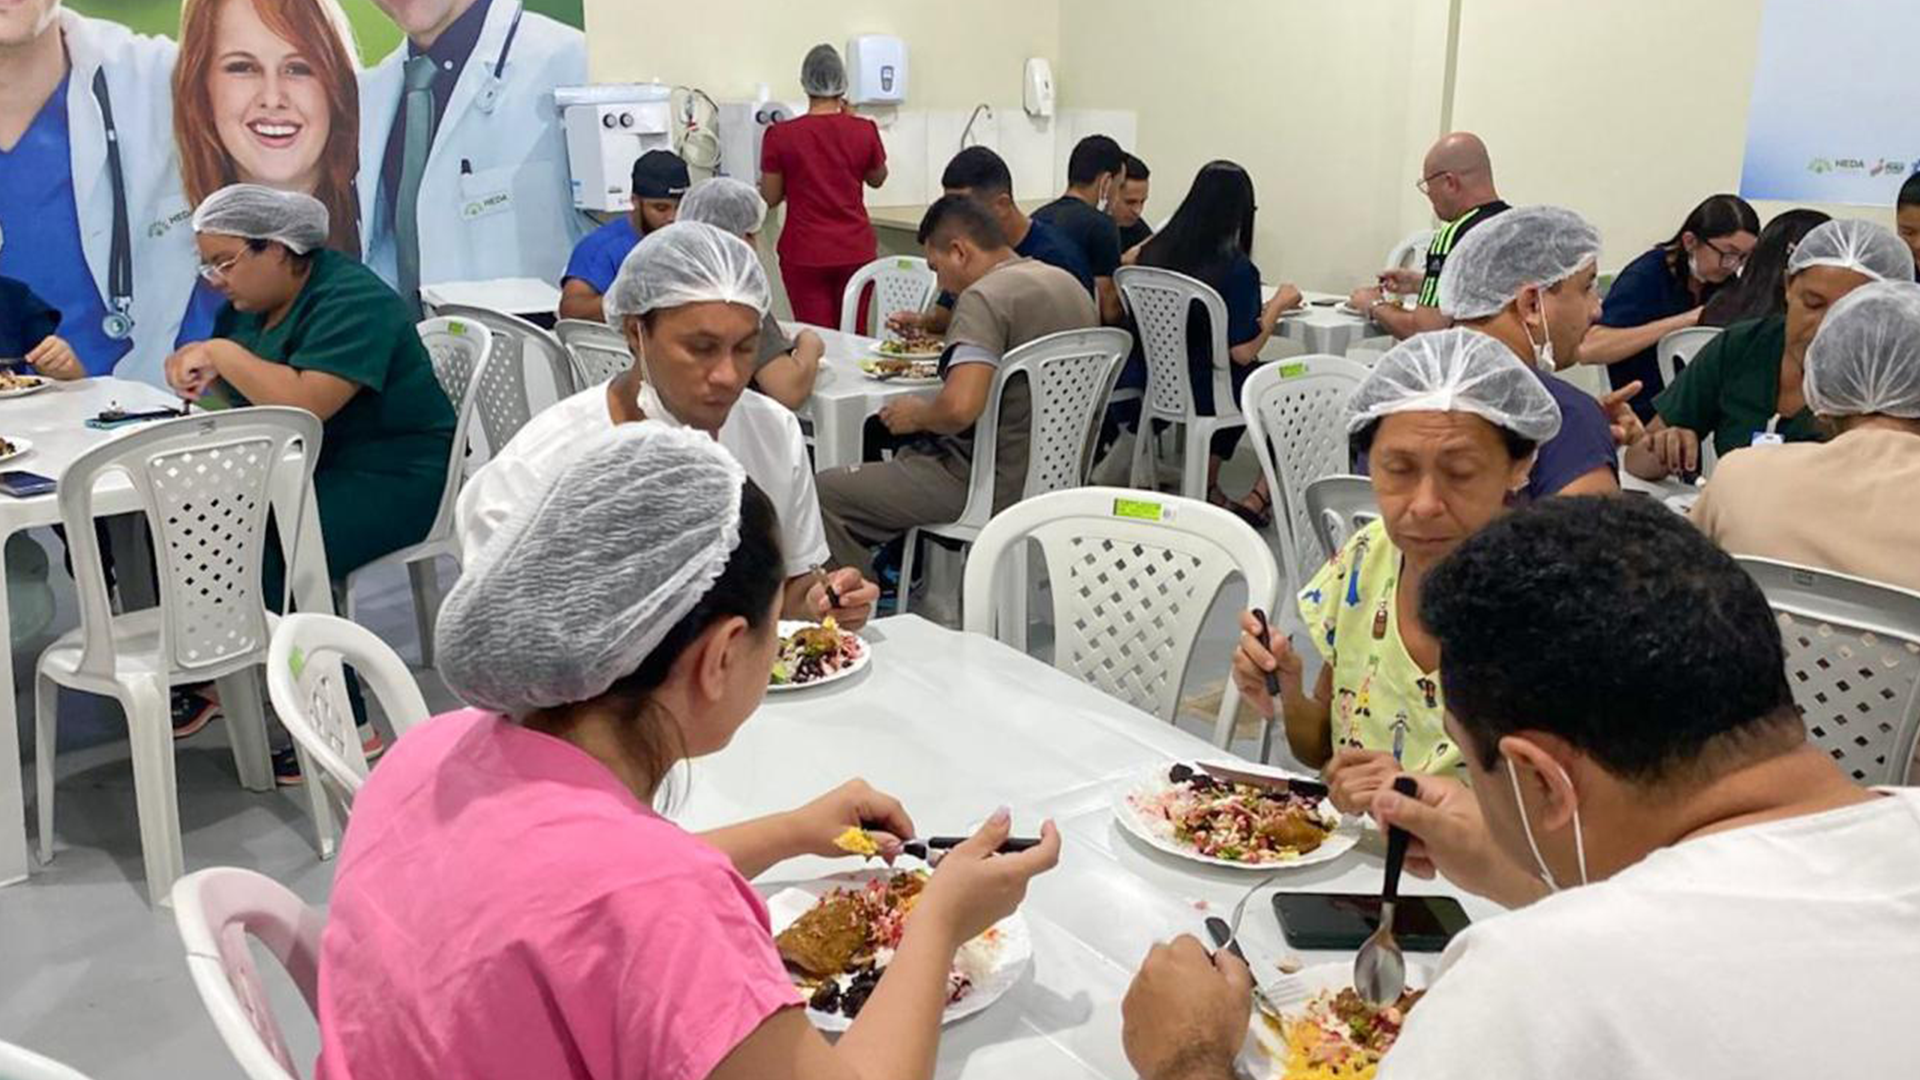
(1344, 921)
(24, 485)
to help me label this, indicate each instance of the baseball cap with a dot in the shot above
(659, 174)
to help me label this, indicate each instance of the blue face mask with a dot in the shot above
(1579, 840)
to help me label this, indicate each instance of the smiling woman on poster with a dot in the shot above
(464, 161)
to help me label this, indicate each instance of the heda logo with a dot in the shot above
(479, 207)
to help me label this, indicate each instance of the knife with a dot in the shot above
(1223, 938)
(1280, 785)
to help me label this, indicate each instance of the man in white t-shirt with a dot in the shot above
(1698, 890)
(690, 299)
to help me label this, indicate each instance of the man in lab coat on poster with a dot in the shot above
(493, 196)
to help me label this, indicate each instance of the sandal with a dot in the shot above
(191, 711)
(1257, 514)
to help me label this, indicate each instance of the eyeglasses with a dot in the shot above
(1425, 183)
(1728, 257)
(215, 272)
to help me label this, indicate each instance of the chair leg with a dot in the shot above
(1223, 722)
(1143, 439)
(1015, 585)
(155, 793)
(909, 546)
(320, 804)
(1193, 469)
(241, 703)
(424, 575)
(46, 708)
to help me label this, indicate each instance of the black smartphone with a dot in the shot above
(21, 484)
(1328, 301)
(1344, 921)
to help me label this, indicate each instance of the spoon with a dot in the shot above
(1380, 971)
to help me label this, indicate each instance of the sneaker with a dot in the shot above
(191, 712)
(286, 763)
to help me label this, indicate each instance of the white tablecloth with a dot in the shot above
(54, 420)
(515, 296)
(1321, 327)
(956, 725)
(844, 396)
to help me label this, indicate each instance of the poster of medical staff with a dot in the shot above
(427, 129)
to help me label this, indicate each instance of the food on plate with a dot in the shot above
(1340, 1036)
(855, 841)
(837, 950)
(912, 345)
(6, 448)
(10, 380)
(912, 369)
(1237, 822)
(813, 653)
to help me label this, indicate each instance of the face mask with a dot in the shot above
(1579, 839)
(1542, 349)
(651, 406)
(1693, 268)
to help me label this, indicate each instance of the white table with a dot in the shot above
(54, 420)
(515, 296)
(956, 725)
(844, 396)
(1321, 327)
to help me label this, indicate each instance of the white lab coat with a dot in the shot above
(496, 199)
(140, 83)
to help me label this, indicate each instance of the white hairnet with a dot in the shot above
(1866, 357)
(1852, 244)
(582, 584)
(725, 203)
(1528, 245)
(687, 262)
(823, 74)
(257, 212)
(1458, 370)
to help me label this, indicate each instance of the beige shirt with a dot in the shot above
(1015, 303)
(1849, 505)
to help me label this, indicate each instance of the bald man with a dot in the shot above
(1457, 178)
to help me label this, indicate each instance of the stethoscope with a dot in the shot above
(118, 323)
(489, 96)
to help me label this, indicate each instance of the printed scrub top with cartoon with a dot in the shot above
(1381, 699)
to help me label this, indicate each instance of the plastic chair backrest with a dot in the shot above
(1338, 507)
(205, 483)
(1410, 252)
(307, 687)
(1068, 377)
(1676, 347)
(459, 350)
(599, 351)
(505, 402)
(20, 1063)
(1853, 660)
(217, 911)
(900, 283)
(1297, 414)
(1133, 575)
(1160, 301)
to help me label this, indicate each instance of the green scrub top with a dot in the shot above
(383, 455)
(1730, 388)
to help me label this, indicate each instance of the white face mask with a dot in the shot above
(651, 405)
(1542, 349)
(1693, 268)
(1579, 838)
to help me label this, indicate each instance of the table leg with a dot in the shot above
(13, 803)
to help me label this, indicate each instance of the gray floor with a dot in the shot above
(91, 976)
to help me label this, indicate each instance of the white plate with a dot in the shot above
(1266, 1057)
(1345, 308)
(860, 661)
(22, 391)
(21, 448)
(1008, 964)
(867, 369)
(1158, 833)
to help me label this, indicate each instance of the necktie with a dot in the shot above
(418, 140)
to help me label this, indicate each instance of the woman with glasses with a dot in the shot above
(1665, 289)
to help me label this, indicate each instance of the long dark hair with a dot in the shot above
(1762, 288)
(1715, 217)
(1213, 224)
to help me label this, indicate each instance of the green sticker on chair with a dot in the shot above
(1292, 371)
(296, 662)
(904, 264)
(456, 328)
(1138, 509)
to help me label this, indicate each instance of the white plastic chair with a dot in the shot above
(599, 352)
(900, 283)
(460, 350)
(506, 398)
(306, 684)
(1297, 414)
(1853, 660)
(1676, 347)
(205, 484)
(20, 1063)
(1068, 377)
(1337, 507)
(1133, 576)
(1160, 301)
(217, 910)
(1410, 252)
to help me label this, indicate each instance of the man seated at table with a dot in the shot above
(1128, 207)
(784, 369)
(1457, 178)
(1004, 302)
(980, 173)
(1095, 171)
(1700, 891)
(689, 298)
(1527, 278)
(659, 180)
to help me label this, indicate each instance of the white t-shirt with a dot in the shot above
(1788, 949)
(760, 433)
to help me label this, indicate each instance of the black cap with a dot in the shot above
(660, 174)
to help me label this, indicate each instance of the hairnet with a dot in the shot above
(823, 74)
(1528, 245)
(581, 585)
(1457, 370)
(257, 212)
(687, 263)
(725, 203)
(1866, 357)
(1852, 244)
